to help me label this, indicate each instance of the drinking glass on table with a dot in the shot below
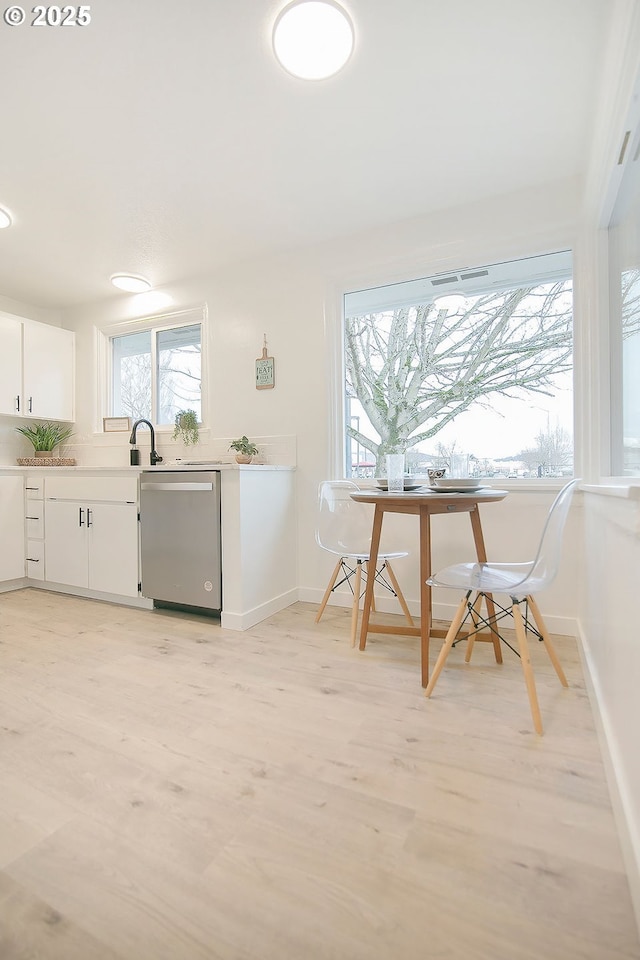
(395, 472)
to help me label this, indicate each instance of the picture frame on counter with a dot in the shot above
(116, 424)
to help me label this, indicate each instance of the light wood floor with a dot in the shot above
(173, 791)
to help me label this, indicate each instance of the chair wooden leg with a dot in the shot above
(475, 619)
(491, 613)
(327, 593)
(527, 669)
(356, 602)
(546, 639)
(446, 646)
(401, 599)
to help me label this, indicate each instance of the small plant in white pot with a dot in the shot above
(245, 450)
(45, 437)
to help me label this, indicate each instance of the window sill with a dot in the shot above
(624, 489)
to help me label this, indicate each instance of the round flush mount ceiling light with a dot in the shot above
(130, 282)
(5, 218)
(313, 39)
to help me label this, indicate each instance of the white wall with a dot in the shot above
(607, 608)
(611, 642)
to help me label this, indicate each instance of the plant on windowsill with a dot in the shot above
(186, 427)
(45, 437)
(245, 449)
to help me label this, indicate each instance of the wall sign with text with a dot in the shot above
(265, 370)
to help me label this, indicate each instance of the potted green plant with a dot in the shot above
(186, 427)
(45, 437)
(245, 450)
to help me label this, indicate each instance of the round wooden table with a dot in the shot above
(424, 503)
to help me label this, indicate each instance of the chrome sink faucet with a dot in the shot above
(154, 456)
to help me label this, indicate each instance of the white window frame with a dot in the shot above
(452, 260)
(629, 145)
(156, 323)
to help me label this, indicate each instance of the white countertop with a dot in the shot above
(171, 465)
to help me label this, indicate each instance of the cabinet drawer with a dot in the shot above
(34, 515)
(35, 559)
(111, 489)
(35, 488)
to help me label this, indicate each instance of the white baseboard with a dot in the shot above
(626, 815)
(243, 621)
(141, 603)
(7, 585)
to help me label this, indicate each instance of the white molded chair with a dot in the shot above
(520, 581)
(344, 529)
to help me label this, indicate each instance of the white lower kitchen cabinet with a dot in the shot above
(12, 528)
(34, 524)
(92, 545)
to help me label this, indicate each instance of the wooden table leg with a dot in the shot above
(481, 554)
(425, 593)
(372, 566)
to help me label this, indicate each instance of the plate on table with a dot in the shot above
(456, 485)
(409, 483)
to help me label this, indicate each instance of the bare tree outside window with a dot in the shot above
(412, 370)
(135, 387)
(552, 454)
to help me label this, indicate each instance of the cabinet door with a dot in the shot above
(10, 365)
(66, 542)
(113, 548)
(11, 528)
(48, 365)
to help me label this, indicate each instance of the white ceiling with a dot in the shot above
(164, 139)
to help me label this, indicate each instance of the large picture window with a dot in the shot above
(470, 370)
(157, 371)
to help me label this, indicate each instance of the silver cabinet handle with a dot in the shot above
(176, 487)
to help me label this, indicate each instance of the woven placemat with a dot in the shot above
(46, 461)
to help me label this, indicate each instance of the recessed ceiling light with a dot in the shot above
(5, 218)
(313, 39)
(130, 282)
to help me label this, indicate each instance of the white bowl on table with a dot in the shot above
(456, 484)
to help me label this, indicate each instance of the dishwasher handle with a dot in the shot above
(177, 487)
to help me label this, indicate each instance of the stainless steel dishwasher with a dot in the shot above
(180, 538)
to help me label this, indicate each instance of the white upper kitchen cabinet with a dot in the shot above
(36, 369)
(48, 371)
(10, 365)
